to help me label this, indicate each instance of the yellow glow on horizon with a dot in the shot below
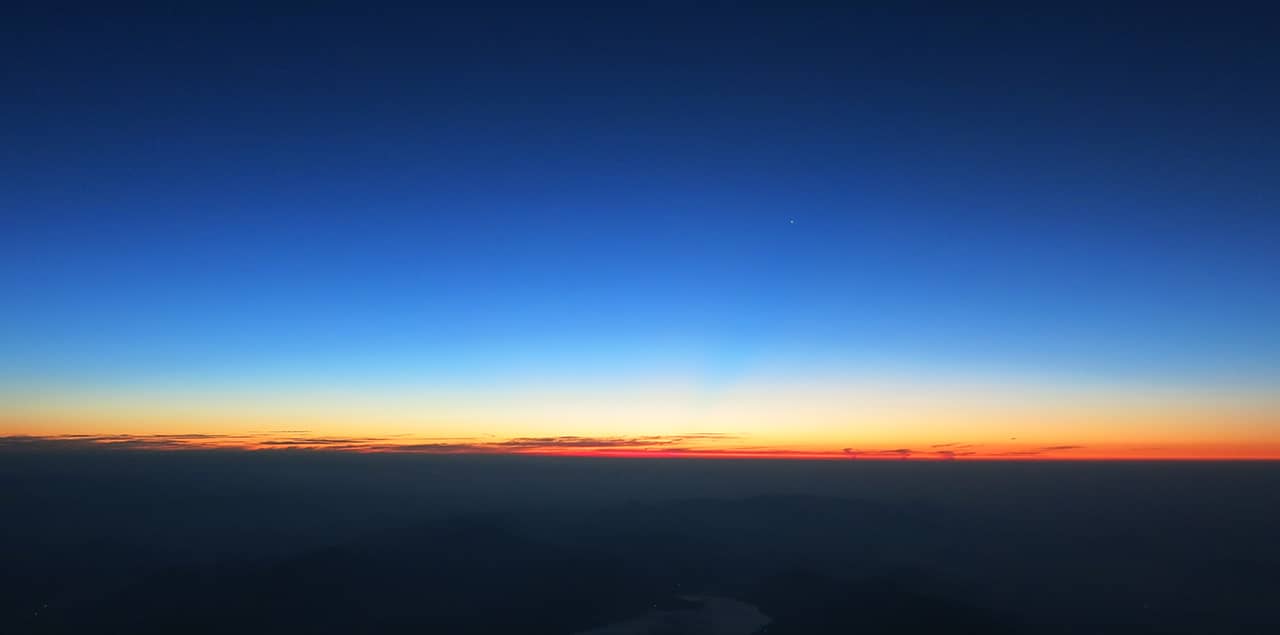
(827, 415)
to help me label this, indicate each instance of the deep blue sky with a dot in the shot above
(230, 191)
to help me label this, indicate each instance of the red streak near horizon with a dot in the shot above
(780, 454)
(577, 447)
(840, 456)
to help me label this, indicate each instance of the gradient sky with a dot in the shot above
(838, 233)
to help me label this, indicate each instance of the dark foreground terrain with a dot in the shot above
(302, 542)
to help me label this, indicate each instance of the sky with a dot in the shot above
(692, 229)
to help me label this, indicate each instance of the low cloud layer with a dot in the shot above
(693, 444)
